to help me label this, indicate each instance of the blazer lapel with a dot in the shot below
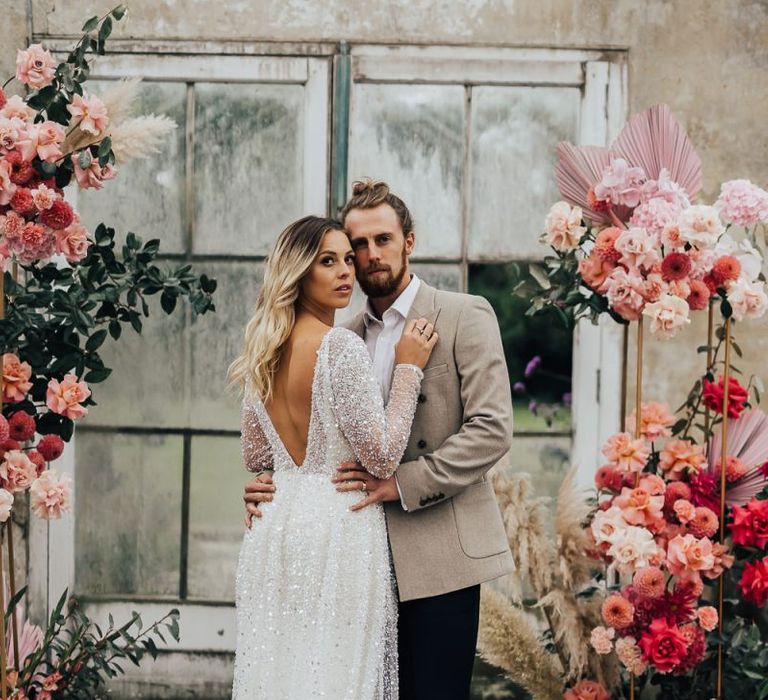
(424, 304)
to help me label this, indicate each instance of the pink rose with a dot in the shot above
(707, 617)
(688, 557)
(89, 112)
(42, 140)
(72, 242)
(668, 315)
(563, 226)
(94, 176)
(17, 470)
(66, 396)
(16, 376)
(594, 270)
(16, 107)
(10, 132)
(638, 248)
(50, 495)
(586, 690)
(700, 226)
(7, 188)
(639, 507)
(624, 290)
(35, 67)
(682, 457)
(748, 299)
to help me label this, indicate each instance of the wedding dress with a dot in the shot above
(316, 605)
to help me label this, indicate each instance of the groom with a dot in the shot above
(445, 530)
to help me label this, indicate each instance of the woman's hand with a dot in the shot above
(416, 344)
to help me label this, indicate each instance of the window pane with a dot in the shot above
(515, 131)
(412, 137)
(128, 519)
(149, 385)
(216, 339)
(546, 459)
(525, 338)
(148, 195)
(447, 277)
(215, 516)
(249, 157)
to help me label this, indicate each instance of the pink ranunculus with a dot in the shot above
(707, 617)
(90, 113)
(563, 226)
(638, 247)
(72, 242)
(35, 67)
(18, 471)
(44, 197)
(742, 203)
(7, 188)
(624, 290)
(620, 184)
(50, 495)
(94, 176)
(6, 503)
(16, 375)
(639, 507)
(668, 315)
(688, 556)
(747, 299)
(700, 226)
(65, 397)
(655, 421)
(628, 453)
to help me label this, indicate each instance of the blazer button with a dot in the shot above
(422, 398)
(421, 444)
(422, 501)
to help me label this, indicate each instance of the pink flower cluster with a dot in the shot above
(656, 537)
(663, 257)
(22, 463)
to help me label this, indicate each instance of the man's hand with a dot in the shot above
(257, 490)
(351, 477)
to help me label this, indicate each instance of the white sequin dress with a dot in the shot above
(316, 604)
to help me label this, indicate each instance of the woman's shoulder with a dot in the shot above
(340, 339)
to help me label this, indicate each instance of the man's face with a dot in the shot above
(381, 249)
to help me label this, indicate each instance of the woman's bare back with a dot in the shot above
(290, 406)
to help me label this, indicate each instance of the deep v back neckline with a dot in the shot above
(312, 412)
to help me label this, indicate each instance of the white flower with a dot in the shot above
(636, 549)
(6, 503)
(700, 226)
(563, 226)
(608, 525)
(748, 299)
(638, 248)
(668, 315)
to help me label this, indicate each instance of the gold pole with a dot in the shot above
(723, 462)
(3, 658)
(710, 339)
(625, 368)
(638, 412)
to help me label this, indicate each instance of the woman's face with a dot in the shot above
(330, 280)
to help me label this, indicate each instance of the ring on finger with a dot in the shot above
(363, 486)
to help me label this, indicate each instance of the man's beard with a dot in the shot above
(378, 287)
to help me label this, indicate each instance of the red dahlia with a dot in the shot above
(22, 426)
(675, 266)
(59, 216)
(38, 460)
(10, 444)
(51, 447)
(21, 170)
(22, 202)
(698, 299)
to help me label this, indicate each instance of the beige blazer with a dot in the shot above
(451, 536)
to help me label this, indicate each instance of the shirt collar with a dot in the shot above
(402, 305)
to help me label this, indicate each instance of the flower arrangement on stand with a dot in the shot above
(63, 292)
(679, 570)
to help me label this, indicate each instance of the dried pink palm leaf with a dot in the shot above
(654, 140)
(577, 171)
(748, 440)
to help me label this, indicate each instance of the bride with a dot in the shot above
(316, 606)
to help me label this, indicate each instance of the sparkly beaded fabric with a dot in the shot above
(316, 604)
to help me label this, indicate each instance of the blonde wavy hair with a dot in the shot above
(275, 314)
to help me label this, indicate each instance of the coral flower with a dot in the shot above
(688, 556)
(675, 266)
(655, 421)
(681, 458)
(16, 376)
(629, 454)
(726, 269)
(586, 690)
(66, 397)
(638, 507)
(698, 299)
(650, 582)
(617, 611)
(605, 244)
(707, 617)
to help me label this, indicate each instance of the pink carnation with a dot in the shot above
(35, 242)
(50, 495)
(742, 203)
(66, 397)
(630, 655)
(35, 67)
(601, 639)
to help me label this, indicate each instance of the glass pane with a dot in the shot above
(128, 519)
(515, 131)
(538, 349)
(447, 277)
(249, 157)
(546, 459)
(215, 516)
(148, 195)
(216, 339)
(412, 136)
(149, 385)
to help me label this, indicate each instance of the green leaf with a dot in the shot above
(168, 301)
(115, 329)
(90, 24)
(98, 375)
(96, 340)
(104, 147)
(119, 12)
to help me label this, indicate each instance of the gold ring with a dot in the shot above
(363, 486)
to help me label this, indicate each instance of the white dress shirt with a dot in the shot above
(381, 336)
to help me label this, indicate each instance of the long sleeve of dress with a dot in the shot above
(257, 452)
(378, 435)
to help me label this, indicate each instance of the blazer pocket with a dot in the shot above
(476, 512)
(436, 371)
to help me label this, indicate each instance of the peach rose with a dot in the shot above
(94, 176)
(684, 510)
(72, 242)
(35, 67)
(16, 376)
(50, 495)
(707, 617)
(66, 396)
(90, 113)
(594, 270)
(688, 557)
(681, 457)
(586, 690)
(655, 420)
(629, 454)
(640, 508)
(17, 470)
(668, 314)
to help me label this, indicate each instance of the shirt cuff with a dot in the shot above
(400, 493)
